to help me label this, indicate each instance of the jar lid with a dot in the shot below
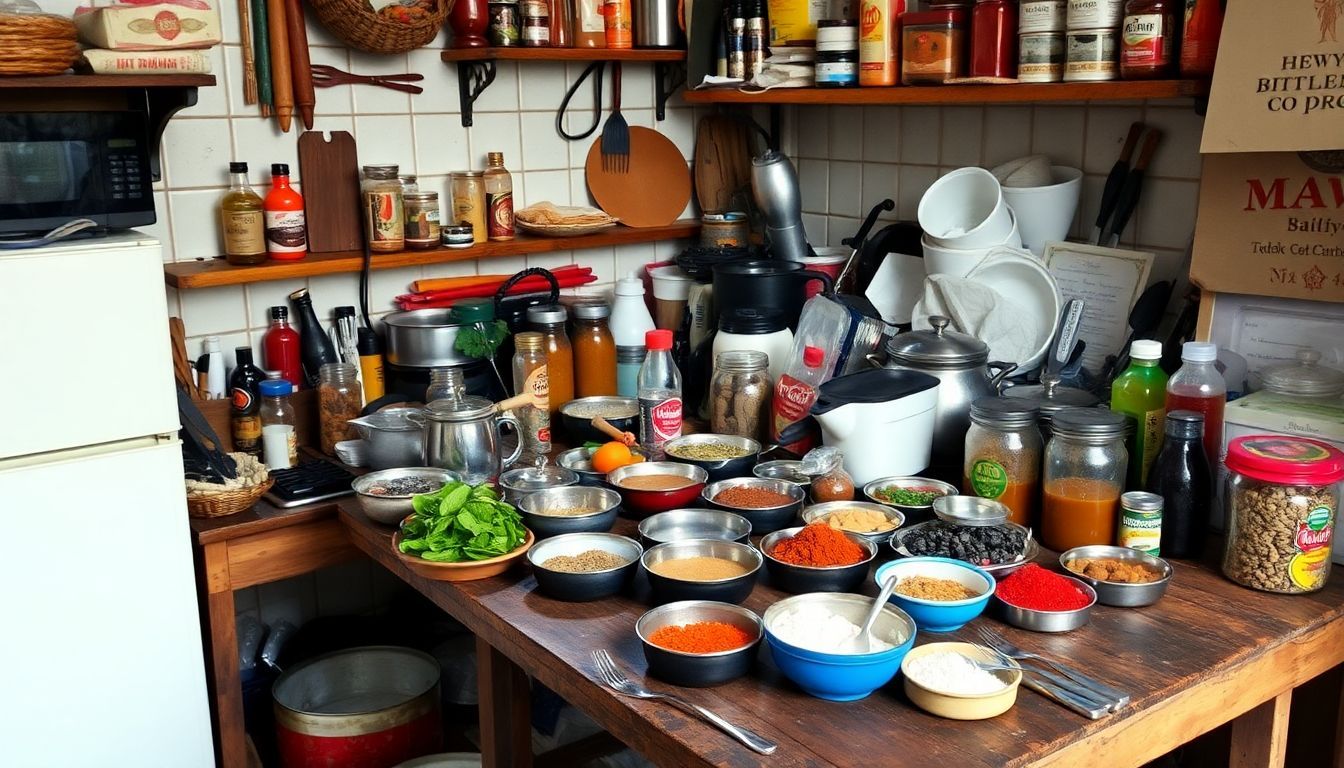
(468, 408)
(1188, 425)
(1304, 376)
(1141, 501)
(1284, 459)
(833, 23)
(472, 311)
(1088, 423)
(1051, 398)
(937, 348)
(469, 174)
(547, 314)
(380, 171)
(1003, 413)
(458, 229)
(538, 477)
(751, 321)
(952, 16)
(402, 419)
(420, 197)
(275, 387)
(591, 310)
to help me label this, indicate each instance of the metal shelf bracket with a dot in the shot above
(473, 77)
(159, 106)
(668, 77)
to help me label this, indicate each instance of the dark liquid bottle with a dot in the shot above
(1180, 475)
(315, 346)
(245, 403)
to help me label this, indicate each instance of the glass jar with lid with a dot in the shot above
(1003, 456)
(1304, 379)
(594, 350)
(531, 375)
(445, 384)
(382, 194)
(279, 442)
(739, 394)
(1084, 474)
(549, 321)
(339, 400)
(468, 188)
(422, 220)
(1282, 499)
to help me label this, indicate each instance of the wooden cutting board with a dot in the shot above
(653, 191)
(722, 162)
(329, 175)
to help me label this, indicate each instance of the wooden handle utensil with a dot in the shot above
(299, 64)
(605, 427)
(282, 78)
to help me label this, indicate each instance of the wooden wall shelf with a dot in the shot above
(108, 81)
(1018, 93)
(209, 273)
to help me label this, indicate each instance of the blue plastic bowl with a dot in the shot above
(840, 677)
(939, 615)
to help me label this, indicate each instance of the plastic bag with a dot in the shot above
(830, 481)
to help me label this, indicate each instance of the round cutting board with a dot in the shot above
(653, 191)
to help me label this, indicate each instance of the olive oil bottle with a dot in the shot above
(242, 220)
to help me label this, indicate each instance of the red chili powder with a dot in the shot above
(1035, 588)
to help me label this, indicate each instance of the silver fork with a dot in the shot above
(1002, 645)
(1065, 693)
(609, 673)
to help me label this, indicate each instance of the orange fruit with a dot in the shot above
(610, 456)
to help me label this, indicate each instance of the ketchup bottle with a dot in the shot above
(281, 346)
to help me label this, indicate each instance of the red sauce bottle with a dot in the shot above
(1148, 40)
(1199, 43)
(286, 226)
(281, 346)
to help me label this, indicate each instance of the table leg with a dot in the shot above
(1339, 731)
(223, 645)
(1260, 737)
(506, 710)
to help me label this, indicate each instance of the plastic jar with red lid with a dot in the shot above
(1282, 499)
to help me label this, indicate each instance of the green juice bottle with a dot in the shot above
(1140, 393)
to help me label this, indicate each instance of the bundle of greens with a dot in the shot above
(460, 522)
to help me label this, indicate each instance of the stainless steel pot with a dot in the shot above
(961, 364)
(393, 437)
(463, 435)
(423, 338)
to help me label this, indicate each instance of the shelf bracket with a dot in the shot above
(159, 106)
(473, 77)
(668, 77)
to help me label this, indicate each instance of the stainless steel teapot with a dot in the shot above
(463, 436)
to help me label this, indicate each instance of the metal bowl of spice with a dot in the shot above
(817, 558)
(783, 469)
(722, 456)
(386, 496)
(576, 416)
(874, 522)
(684, 524)
(768, 504)
(702, 569)
(1041, 600)
(578, 567)
(650, 487)
(912, 495)
(1121, 576)
(570, 509)
(699, 643)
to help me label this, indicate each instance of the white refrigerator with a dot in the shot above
(101, 638)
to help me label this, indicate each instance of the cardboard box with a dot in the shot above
(149, 27)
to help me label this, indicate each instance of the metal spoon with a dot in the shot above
(863, 642)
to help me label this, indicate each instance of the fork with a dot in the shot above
(326, 76)
(609, 673)
(1002, 645)
(1062, 692)
(616, 133)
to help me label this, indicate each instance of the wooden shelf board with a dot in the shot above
(209, 273)
(562, 54)
(1125, 90)
(108, 81)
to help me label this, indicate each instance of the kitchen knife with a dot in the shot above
(1114, 181)
(1129, 193)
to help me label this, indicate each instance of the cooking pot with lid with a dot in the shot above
(393, 437)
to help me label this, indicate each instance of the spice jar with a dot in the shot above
(594, 350)
(279, 443)
(1148, 40)
(469, 202)
(933, 46)
(1085, 464)
(1003, 455)
(530, 375)
(739, 394)
(383, 223)
(1282, 498)
(504, 23)
(825, 467)
(338, 401)
(536, 26)
(994, 38)
(422, 220)
(1089, 55)
(445, 384)
(549, 320)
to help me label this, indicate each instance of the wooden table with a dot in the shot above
(1209, 653)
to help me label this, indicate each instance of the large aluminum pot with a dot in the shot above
(463, 435)
(423, 338)
(373, 706)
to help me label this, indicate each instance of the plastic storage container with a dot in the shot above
(1085, 464)
(761, 330)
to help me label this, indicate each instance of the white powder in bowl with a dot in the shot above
(817, 629)
(949, 672)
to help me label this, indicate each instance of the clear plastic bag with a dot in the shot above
(830, 481)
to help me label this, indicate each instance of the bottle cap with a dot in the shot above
(279, 313)
(547, 314)
(1186, 424)
(1199, 352)
(211, 344)
(242, 355)
(237, 167)
(813, 357)
(275, 387)
(658, 340)
(629, 286)
(279, 169)
(367, 343)
(299, 294)
(591, 310)
(495, 158)
(472, 310)
(1146, 349)
(529, 341)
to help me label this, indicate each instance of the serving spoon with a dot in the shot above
(863, 642)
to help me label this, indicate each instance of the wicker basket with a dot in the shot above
(227, 503)
(36, 44)
(359, 26)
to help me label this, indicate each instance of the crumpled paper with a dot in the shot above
(1013, 332)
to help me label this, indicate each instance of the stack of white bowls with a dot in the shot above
(964, 214)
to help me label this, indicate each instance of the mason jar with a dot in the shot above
(1003, 456)
(384, 224)
(1084, 475)
(339, 399)
(739, 394)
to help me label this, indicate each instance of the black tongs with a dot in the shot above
(201, 455)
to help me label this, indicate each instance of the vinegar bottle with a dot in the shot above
(241, 216)
(1198, 386)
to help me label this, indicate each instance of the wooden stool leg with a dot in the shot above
(506, 710)
(1260, 737)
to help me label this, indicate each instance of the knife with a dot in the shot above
(1114, 181)
(1128, 199)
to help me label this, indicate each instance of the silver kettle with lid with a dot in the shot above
(961, 364)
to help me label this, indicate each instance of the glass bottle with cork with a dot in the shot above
(242, 219)
(1140, 394)
(498, 198)
(286, 226)
(383, 223)
(530, 374)
(549, 321)
(594, 350)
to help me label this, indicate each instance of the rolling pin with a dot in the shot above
(282, 81)
(299, 64)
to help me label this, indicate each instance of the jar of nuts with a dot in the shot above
(338, 401)
(1282, 496)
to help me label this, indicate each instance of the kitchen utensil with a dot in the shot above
(388, 509)
(329, 167)
(698, 669)
(965, 209)
(393, 437)
(958, 262)
(1122, 594)
(607, 672)
(604, 504)
(653, 189)
(1128, 199)
(1072, 695)
(1045, 213)
(182, 370)
(261, 42)
(765, 285)
(1030, 548)
(763, 519)
(861, 414)
(1004, 646)
(615, 140)
(611, 431)
(800, 579)
(864, 642)
(1050, 395)
(282, 76)
(939, 615)
(202, 451)
(774, 186)
(249, 56)
(639, 503)
(856, 242)
(970, 511)
(304, 97)
(463, 435)
(1144, 318)
(1047, 621)
(588, 585)
(423, 338)
(961, 706)
(1110, 193)
(817, 513)
(734, 589)
(580, 429)
(326, 76)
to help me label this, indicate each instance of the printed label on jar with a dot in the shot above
(1090, 56)
(286, 232)
(384, 217)
(1140, 530)
(1285, 449)
(1094, 14)
(1040, 57)
(244, 233)
(1308, 568)
(1142, 41)
(1154, 423)
(499, 215)
(988, 478)
(1041, 16)
(837, 72)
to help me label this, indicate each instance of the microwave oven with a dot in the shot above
(58, 166)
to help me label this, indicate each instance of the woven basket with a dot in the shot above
(227, 503)
(36, 44)
(358, 26)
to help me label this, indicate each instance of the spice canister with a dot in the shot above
(505, 24)
(383, 223)
(422, 219)
(1094, 14)
(339, 399)
(837, 69)
(933, 46)
(1040, 57)
(536, 24)
(457, 236)
(724, 230)
(739, 394)
(1040, 16)
(1282, 498)
(469, 202)
(1090, 55)
(1003, 455)
(1140, 522)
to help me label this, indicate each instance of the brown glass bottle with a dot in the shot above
(242, 220)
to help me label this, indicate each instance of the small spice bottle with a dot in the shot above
(469, 202)
(739, 395)
(1148, 40)
(1003, 456)
(505, 26)
(422, 220)
(383, 223)
(279, 443)
(933, 46)
(536, 28)
(339, 399)
(530, 374)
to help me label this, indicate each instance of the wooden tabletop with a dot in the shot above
(1206, 653)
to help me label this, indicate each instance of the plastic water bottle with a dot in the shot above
(659, 394)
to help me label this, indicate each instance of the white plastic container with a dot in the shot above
(1044, 214)
(630, 320)
(759, 331)
(965, 209)
(881, 420)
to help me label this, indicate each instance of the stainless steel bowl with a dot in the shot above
(783, 469)
(1047, 621)
(390, 510)
(698, 669)
(604, 503)
(799, 579)
(1115, 592)
(1030, 548)
(423, 338)
(583, 587)
(517, 484)
(683, 524)
(731, 590)
(816, 512)
(763, 519)
(580, 461)
(970, 510)
(913, 513)
(642, 503)
(580, 428)
(718, 469)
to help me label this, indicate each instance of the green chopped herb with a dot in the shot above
(460, 522)
(908, 497)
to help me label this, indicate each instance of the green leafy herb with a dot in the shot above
(460, 522)
(480, 340)
(908, 497)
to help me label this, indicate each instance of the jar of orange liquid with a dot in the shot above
(1084, 474)
(1003, 456)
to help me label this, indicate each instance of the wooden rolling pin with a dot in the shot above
(299, 64)
(282, 80)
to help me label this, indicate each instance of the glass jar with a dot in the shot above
(531, 374)
(933, 46)
(422, 220)
(739, 394)
(536, 26)
(994, 38)
(504, 23)
(279, 443)
(1148, 39)
(594, 350)
(409, 182)
(549, 321)
(498, 198)
(383, 223)
(1003, 456)
(445, 384)
(1282, 499)
(1305, 379)
(469, 202)
(339, 400)
(1085, 464)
